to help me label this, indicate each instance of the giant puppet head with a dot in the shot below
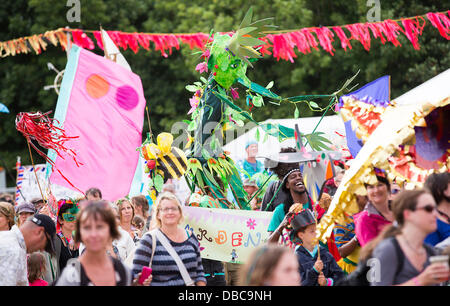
(229, 56)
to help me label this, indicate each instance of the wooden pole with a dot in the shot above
(34, 168)
(149, 124)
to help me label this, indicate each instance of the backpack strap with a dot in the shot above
(166, 244)
(125, 279)
(58, 244)
(153, 235)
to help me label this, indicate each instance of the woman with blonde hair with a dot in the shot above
(271, 265)
(6, 216)
(171, 251)
(126, 215)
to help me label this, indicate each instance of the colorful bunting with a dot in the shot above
(282, 43)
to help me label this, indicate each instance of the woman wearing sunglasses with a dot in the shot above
(399, 254)
(65, 246)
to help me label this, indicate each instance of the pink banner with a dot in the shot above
(105, 109)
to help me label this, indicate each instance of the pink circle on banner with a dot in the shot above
(127, 97)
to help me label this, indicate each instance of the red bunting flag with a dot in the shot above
(278, 44)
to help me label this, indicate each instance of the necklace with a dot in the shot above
(68, 243)
(418, 252)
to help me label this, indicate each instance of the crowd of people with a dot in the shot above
(92, 241)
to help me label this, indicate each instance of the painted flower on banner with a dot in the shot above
(251, 224)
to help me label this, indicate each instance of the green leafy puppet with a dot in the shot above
(213, 111)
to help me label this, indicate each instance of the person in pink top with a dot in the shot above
(36, 269)
(377, 213)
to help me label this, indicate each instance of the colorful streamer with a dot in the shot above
(282, 43)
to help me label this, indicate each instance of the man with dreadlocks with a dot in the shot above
(291, 190)
(276, 194)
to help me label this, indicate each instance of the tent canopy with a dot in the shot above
(396, 128)
(330, 125)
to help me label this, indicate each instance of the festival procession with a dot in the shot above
(261, 143)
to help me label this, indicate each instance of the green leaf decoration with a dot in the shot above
(247, 19)
(205, 154)
(259, 89)
(225, 99)
(296, 112)
(307, 97)
(270, 85)
(317, 142)
(210, 177)
(258, 101)
(158, 182)
(192, 125)
(244, 31)
(314, 104)
(192, 88)
(257, 135)
(198, 177)
(249, 41)
(278, 130)
(150, 183)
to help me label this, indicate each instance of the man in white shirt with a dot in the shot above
(35, 234)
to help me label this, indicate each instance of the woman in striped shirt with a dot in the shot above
(166, 217)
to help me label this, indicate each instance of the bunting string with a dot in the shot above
(279, 44)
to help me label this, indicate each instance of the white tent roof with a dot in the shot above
(434, 89)
(393, 130)
(329, 125)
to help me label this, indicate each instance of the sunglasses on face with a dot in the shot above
(427, 208)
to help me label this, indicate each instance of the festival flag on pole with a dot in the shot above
(19, 179)
(361, 111)
(112, 52)
(102, 103)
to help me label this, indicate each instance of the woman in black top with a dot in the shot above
(66, 248)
